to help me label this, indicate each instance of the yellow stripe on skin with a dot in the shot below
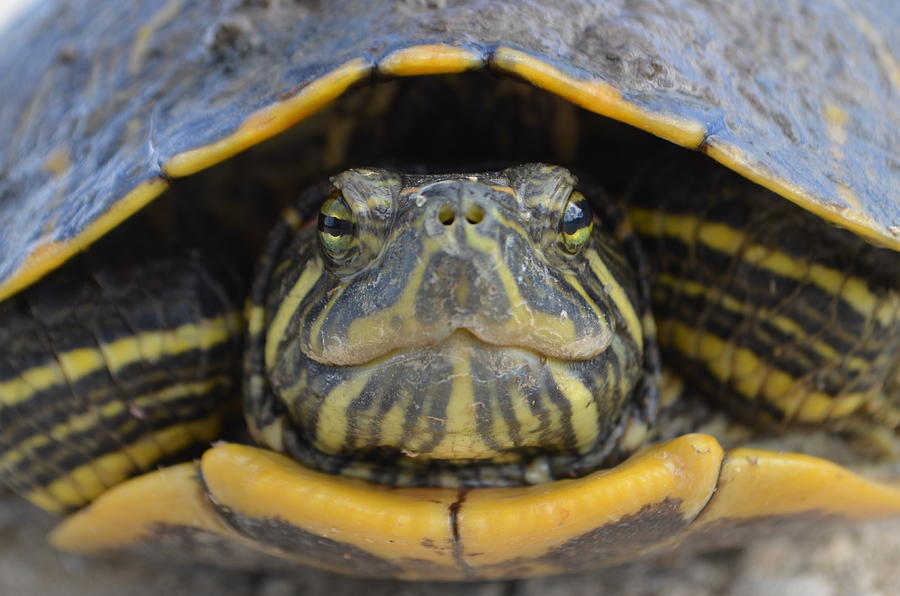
(505, 524)
(462, 439)
(690, 229)
(145, 346)
(90, 480)
(82, 422)
(47, 256)
(752, 377)
(618, 295)
(550, 328)
(598, 97)
(271, 120)
(756, 483)
(582, 404)
(332, 423)
(783, 324)
(429, 59)
(394, 524)
(129, 512)
(848, 217)
(312, 271)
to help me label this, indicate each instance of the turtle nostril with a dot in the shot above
(475, 214)
(446, 215)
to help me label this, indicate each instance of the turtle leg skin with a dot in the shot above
(105, 371)
(763, 306)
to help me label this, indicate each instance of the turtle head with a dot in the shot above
(459, 322)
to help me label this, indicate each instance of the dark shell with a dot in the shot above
(803, 97)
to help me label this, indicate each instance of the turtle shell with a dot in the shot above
(115, 103)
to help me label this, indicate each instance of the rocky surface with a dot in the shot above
(861, 560)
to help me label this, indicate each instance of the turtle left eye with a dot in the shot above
(577, 222)
(337, 227)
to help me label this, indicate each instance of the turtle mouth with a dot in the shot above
(372, 345)
(471, 338)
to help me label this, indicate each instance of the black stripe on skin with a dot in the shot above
(54, 406)
(437, 415)
(505, 405)
(565, 408)
(64, 459)
(483, 410)
(83, 307)
(756, 291)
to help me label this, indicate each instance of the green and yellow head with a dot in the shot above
(473, 330)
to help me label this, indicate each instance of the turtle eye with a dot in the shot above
(577, 222)
(337, 227)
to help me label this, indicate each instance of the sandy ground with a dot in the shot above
(857, 561)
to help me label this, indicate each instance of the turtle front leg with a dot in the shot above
(106, 371)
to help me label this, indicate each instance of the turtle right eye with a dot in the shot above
(577, 222)
(337, 227)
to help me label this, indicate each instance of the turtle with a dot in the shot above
(448, 290)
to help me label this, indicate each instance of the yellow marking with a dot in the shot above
(548, 333)
(846, 404)
(753, 376)
(683, 227)
(429, 59)
(761, 484)
(81, 422)
(461, 437)
(581, 402)
(390, 430)
(271, 120)
(282, 267)
(618, 295)
(292, 217)
(367, 336)
(850, 218)
(496, 525)
(395, 524)
(815, 407)
(728, 240)
(288, 307)
(127, 513)
(598, 97)
(49, 255)
(500, 525)
(721, 236)
(162, 17)
(332, 425)
(30, 382)
(146, 345)
(59, 161)
(80, 362)
(256, 319)
(783, 324)
(90, 480)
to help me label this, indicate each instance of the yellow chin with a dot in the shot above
(463, 399)
(686, 493)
